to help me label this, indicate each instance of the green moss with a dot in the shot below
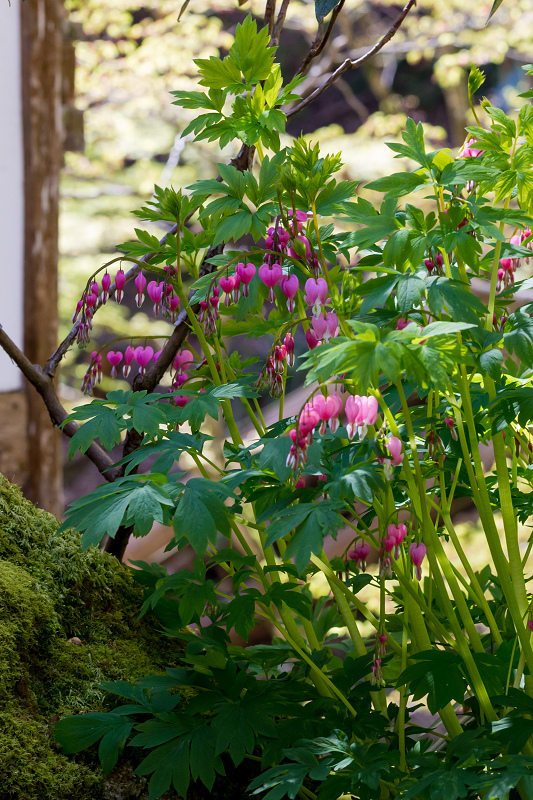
(50, 592)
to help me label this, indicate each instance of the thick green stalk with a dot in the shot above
(436, 556)
(517, 609)
(422, 640)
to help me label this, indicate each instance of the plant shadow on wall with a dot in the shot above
(408, 373)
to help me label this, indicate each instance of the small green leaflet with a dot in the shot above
(476, 79)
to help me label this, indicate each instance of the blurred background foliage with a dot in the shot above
(130, 54)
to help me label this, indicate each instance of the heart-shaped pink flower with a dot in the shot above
(143, 355)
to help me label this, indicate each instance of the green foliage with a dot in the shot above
(433, 372)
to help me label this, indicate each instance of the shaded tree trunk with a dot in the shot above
(42, 48)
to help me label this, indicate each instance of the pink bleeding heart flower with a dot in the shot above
(360, 554)
(106, 283)
(316, 292)
(155, 293)
(360, 412)
(468, 152)
(332, 325)
(398, 533)
(143, 355)
(335, 404)
(172, 304)
(288, 343)
(309, 419)
(394, 446)
(417, 553)
(140, 285)
(388, 543)
(120, 282)
(311, 339)
(182, 361)
(320, 326)
(114, 359)
(530, 624)
(289, 285)
(246, 273)
(402, 323)
(236, 288)
(91, 300)
(270, 275)
(301, 217)
(129, 355)
(227, 284)
(305, 241)
(79, 307)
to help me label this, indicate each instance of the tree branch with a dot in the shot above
(353, 64)
(321, 39)
(278, 25)
(44, 385)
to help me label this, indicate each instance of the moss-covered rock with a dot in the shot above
(52, 592)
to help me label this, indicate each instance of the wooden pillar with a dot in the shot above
(42, 48)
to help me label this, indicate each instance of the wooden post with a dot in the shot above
(42, 49)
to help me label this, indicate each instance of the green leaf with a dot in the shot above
(323, 520)
(491, 362)
(323, 7)
(334, 194)
(78, 732)
(409, 293)
(274, 456)
(169, 764)
(436, 674)
(145, 507)
(361, 484)
(444, 329)
(200, 514)
(397, 184)
(495, 7)
(103, 426)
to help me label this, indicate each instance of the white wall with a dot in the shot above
(11, 190)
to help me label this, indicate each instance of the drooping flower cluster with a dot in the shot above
(325, 409)
(360, 554)
(360, 412)
(321, 409)
(162, 295)
(435, 264)
(93, 374)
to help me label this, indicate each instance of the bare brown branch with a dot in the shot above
(321, 39)
(353, 64)
(45, 386)
(278, 25)
(270, 11)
